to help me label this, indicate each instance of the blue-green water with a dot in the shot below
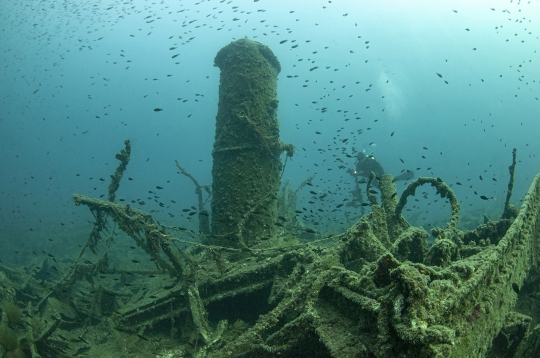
(445, 89)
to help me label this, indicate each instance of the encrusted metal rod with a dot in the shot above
(304, 183)
(510, 211)
(204, 222)
(139, 226)
(371, 196)
(123, 157)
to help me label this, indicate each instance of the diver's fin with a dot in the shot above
(409, 174)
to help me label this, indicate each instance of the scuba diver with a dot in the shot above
(366, 164)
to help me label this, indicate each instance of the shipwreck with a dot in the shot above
(239, 287)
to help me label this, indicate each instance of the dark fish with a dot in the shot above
(311, 231)
(158, 109)
(159, 187)
(483, 197)
(438, 74)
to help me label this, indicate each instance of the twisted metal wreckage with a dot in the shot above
(377, 290)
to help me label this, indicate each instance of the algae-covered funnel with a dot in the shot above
(246, 168)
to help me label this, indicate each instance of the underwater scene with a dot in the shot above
(269, 178)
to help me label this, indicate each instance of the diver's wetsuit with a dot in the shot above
(364, 166)
(367, 164)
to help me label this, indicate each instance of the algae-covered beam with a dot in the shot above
(123, 157)
(389, 200)
(510, 211)
(246, 167)
(370, 192)
(304, 183)
(140, 227)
